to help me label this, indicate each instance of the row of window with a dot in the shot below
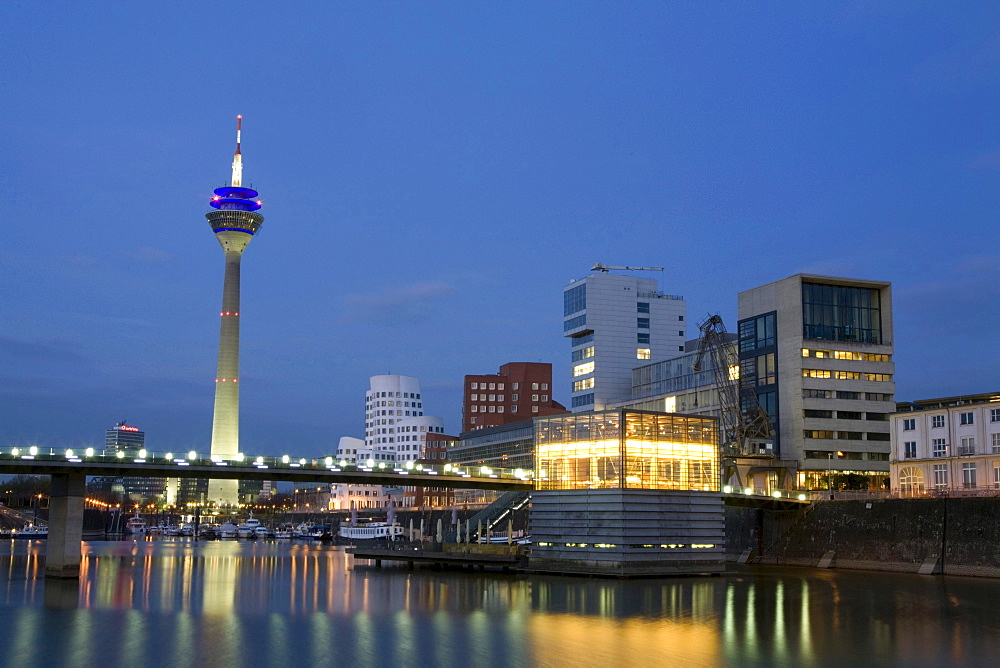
(846, 415)
(840, 454)
(845, 435)
(841, 394)
(939, 447)
(477, 408)
(372, 404)
(398, 395)
(585, 384)
(937, 421)
(911, 479)
(398, 412)
(847, 375)
(583, 353)
(583, 369)
(845, 355)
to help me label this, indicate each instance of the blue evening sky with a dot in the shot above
(433, 174)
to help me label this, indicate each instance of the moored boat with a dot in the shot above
(136, 526)
(370, 530)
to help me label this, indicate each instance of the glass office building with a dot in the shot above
(627, 449)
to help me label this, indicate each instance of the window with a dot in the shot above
(575, 299)
(643, 338)
(810, 413)
(583, 400)
(680, 333)
(583, 353)
(968, 446)
(545, 386)
(879, 377)
(940, 475)
(848, 375)
(475, 386)
(996, 443)
(816, 373)
(585, 384)
(514, 386)
(573, 323)
(642, 353)
(911, 479)
(909, 424)
(534, 409)
(474, 397)
(877, 396)
(938, 448)
(967, 418)
(513, 409)
(513, 397)
(995, 415)
(493, 397)
(848, 415)
(642, 323)
(910, 450)
(818, 433)
(534, 386)
(841, 313)
(578, 370)
(969, 475)
(499, 397)
(642, 307)
(534, 397)
(499, 386)
(493, 386)
(816, 394)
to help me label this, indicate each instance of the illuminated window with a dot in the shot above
(582, 369)
(642, 354)
(585, 384)
(583, 353)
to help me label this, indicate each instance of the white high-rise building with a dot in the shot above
(614, 323)
(395, 425)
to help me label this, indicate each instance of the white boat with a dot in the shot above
(187, 530)
(262, 531)
(31, 531)
(228, 530)
(303, 530)
(248, 528)
(136, 526)
(370, 530)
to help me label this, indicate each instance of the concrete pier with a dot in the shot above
(62, 552)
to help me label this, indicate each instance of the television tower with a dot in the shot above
(235, 221)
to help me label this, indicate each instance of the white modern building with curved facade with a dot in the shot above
(395, 425)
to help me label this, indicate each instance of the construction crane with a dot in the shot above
(746, 429)
(607, 267)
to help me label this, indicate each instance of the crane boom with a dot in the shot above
(608, 267)
(746, 428)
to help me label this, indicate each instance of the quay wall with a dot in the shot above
(954, 536)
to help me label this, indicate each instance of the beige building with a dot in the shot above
(818, 350)
(947, 445)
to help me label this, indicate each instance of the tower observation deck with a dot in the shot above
(234, 221)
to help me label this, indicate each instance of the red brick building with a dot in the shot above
(519, 391)
(435, 454)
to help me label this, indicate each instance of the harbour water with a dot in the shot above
(181, 603)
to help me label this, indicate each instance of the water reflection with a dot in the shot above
(178, 603)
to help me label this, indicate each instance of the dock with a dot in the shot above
(506, 557)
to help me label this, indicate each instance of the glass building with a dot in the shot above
(627, 449)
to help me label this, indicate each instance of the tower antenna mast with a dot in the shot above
(238, 157)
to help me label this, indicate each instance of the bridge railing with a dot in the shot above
(261, 462)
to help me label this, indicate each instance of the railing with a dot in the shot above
(258, 462)
(778, 494)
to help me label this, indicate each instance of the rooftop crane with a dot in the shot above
(746, 429)
(607, 267)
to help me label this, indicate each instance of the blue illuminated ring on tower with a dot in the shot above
(234, 197)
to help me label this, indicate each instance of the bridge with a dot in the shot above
(69, 470)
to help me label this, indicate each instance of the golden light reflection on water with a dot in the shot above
(238, 603)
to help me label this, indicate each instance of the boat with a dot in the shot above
(186, 530)
(31, 531)
(227, 530)
(283, 533)
(248, 528)
(303, 530)
(370, 530)
(136, 526)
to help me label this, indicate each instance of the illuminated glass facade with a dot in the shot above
(627, 449)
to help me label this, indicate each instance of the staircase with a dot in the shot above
(493, 514)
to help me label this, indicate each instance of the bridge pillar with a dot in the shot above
(62, 550)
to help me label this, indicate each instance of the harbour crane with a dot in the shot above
(607, 267)
(746, 429)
